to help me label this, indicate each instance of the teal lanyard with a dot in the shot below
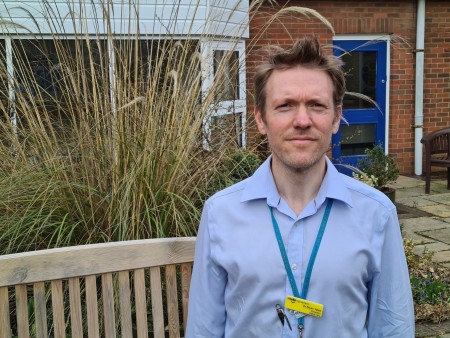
(287, 266)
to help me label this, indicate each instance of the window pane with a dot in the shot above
(34, 70)
(226, 127)
(139, 64)
(226, 74)
(361, 74)
(54, 74)
(356, 138)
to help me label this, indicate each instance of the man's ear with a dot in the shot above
(337, 119)
(260, 121)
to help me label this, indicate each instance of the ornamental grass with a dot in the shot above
(102, 136)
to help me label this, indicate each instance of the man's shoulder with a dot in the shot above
(228, 194)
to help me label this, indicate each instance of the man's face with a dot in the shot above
(300, 117)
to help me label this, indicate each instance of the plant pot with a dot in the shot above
(389, 192)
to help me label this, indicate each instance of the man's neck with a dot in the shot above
(298, 187)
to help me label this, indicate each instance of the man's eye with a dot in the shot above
(317, 106)
(284, 106)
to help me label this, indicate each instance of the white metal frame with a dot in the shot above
(224, 107)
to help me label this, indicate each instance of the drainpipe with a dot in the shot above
(418, 117)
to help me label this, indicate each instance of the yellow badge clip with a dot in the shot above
(303, 306)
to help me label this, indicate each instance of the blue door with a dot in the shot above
(364, 122)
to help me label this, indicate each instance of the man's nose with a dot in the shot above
(302, 118)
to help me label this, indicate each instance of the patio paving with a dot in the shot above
(425, 219)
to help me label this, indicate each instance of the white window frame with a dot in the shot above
(230, 106)
(10, 75)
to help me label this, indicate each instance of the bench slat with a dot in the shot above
(157, 304)
(22, 311)
(40, 310)
(92, 307)
(5, 327)
(76, 320)
(58, 309)
(85, 260)
(125, 304)
(172, 301)
(141, 304)
(186, 272)
(108, 305)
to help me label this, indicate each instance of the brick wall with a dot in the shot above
(375, 17)
(437, 66)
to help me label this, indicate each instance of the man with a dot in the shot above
(298, 249)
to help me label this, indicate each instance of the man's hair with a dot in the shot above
(307, 53)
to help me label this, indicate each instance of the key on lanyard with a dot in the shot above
(300, 330)
(282, 316)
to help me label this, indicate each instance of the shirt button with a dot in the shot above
(294, 266)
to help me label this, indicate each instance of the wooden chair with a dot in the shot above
(437, 153)
(99, 290)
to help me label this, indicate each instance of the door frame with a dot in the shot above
(371, 37)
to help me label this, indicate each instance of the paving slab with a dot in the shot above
(430, 330)
(408, 192)
(416, 238)
(438, 188)
(441, 257)
(440, 235)
(416, 201)
(407, 182)
(441, 210)
(420, 224)
(440, 198)
(433, 246)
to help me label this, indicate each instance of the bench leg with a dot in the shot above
(448, 178)
(427, 180)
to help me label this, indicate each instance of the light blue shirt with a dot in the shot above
(360, 273)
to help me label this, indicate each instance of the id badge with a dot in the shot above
(304, 306)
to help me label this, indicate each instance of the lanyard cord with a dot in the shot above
(312, 258)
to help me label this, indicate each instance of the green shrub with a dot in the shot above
(238, 165)
(379, 166)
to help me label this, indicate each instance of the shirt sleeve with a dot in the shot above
(206, 311)
(391, 308)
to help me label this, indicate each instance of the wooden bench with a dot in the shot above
(100, 290)
(437, 153)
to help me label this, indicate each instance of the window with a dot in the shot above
(55, 73)
(141, 62)
(52, 75)
(361, 76)
(226, 66)
(355, 138)
(226, 77)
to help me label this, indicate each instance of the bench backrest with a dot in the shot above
(438, 143)
(99, 290)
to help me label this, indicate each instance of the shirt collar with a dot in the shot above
(262, 185)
